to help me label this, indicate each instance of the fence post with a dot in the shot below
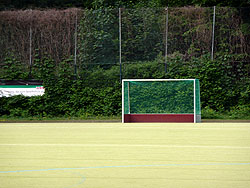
(30, 59)
(120, 44)
(212, 50)
(166, 44)
(75, 64)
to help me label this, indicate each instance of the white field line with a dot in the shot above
(129, 145)
(134, 127)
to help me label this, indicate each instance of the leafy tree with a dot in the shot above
(96, 4)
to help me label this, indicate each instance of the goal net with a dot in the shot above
(161, 100)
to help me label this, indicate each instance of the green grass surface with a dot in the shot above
(115, 155)
(34, 118)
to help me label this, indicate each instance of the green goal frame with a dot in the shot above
(129, 115)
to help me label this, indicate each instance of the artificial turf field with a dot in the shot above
(115, 155)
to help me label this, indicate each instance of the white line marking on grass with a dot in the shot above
(166, 127)
(129, 145)
(124, 166)
(83, 178)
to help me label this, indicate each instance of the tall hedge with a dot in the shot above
(70, 97)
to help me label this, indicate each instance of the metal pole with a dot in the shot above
(128, 100)
(195, 102)
(212, 50)
(123, 85)
(120, 43)
(75, 65)
(30, 33)
(166, 44)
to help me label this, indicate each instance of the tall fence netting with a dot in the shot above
(101, 47)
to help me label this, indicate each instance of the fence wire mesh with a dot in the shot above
(88, 40)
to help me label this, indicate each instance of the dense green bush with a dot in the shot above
(97, 92)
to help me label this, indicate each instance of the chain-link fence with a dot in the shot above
(116, 38)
